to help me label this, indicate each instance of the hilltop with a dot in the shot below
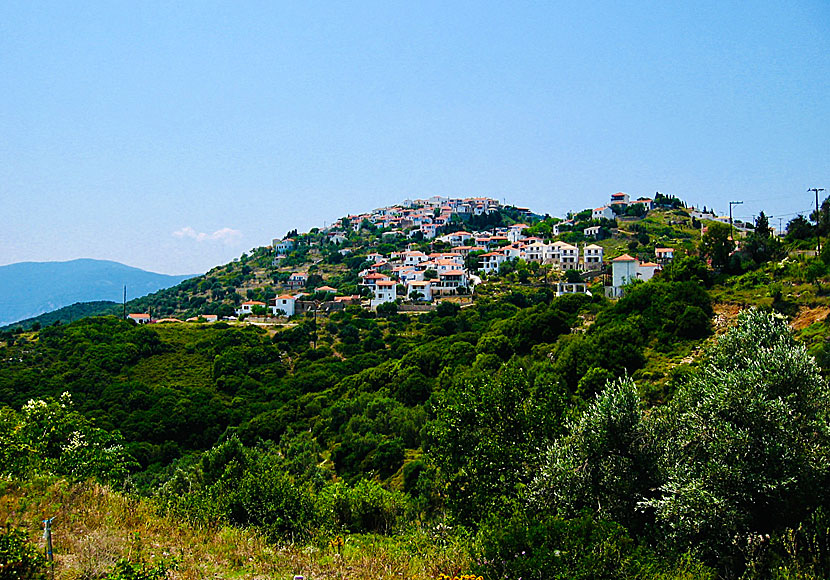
(406, 242)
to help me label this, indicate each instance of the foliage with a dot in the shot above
(127, 570)
(603, 464)
(744, 443)
(799, 228)
(49, 436)
(486, 438)
(20, 559)
(239, 485)
(716, 244)
(366, 507)
(549, 547)
(687, 268)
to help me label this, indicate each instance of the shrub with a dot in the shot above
(19, 558)
(572, 549)
(743, 443)
(126, 570)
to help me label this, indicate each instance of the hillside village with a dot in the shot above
(367, 379)
(416, 253)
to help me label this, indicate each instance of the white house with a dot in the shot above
(373, 278)
(457, 238)
(664, 255)
(428, 230)
(537, 251)
(297, 280)
(647, 270)
(439, 265)
(491, 261)
(139, 318)
(620, 198)
(413, 258)
(284, 304)
(514, 232)
(702, 215)
(284, 246)
(514, 251)
(248, 307)
(384, 291)
(451, 256)
(568, 256)
(625, 270)
(591, 232)
(592, 257)
(449, 281)
(604, 212)
(336, 238)
(423, 287)
(410, 275)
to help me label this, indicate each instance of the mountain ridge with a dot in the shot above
(28, 289)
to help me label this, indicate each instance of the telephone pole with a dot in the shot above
(731, 227)
(818, 216)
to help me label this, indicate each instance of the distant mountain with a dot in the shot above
(68, 314)
(28, 289)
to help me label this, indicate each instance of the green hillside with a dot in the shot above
(661, 435)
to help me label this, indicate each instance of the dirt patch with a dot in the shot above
(807, 316)
(725, 315)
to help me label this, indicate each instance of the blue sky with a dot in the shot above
(175, 136)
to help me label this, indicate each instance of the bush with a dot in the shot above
(19, 558)
(743, 444)
(693, 323)
(366, 507)
(579, 548)
(126, 570)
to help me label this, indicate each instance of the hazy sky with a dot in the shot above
(175, 136)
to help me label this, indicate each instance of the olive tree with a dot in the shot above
(745, 443)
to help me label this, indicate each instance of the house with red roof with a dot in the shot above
(491, 261)
(297, 280)
(619, 198)
(139, 318)
(664, 255)
(371, 280)
(422, 287)
(604, 212)
(247, 307)
(284, 305)
(384, 291)
(626, 269)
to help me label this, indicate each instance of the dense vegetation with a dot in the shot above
(570, 437)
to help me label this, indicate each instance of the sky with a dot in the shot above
(173, 137)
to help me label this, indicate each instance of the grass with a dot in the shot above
(95, 527)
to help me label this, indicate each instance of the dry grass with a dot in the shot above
(95, 527)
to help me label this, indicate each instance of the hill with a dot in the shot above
(534, 423)
(68, 314)
(28, 289)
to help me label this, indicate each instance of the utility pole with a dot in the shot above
(818, 216)
(731, 227)
(780, 231)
